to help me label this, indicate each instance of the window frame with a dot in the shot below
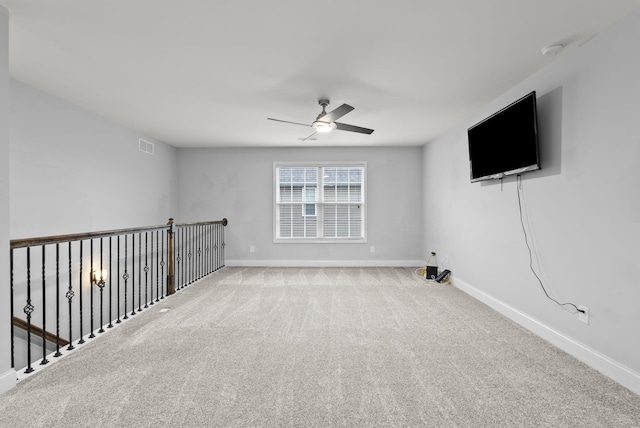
(319, 203)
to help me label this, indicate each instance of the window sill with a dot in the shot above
(320, 240)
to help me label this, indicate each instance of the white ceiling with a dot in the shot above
(207, 73)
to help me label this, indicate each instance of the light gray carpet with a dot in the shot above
(319, 347)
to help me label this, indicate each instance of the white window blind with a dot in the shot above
(319, 202)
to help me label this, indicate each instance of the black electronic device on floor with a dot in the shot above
(443, 275)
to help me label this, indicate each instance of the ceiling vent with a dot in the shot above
(145, 146)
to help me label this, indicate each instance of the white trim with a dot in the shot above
(324, 263)
(594, 359)
(8, 380)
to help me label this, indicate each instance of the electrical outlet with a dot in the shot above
(583, 316)
(252, 249)
(372, 249)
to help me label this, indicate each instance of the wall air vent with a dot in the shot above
(145, 146)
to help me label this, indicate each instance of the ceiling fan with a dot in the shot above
(326, 122)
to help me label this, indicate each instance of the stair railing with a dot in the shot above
(108, 273)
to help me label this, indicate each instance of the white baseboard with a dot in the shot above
(7, 380)
(594, 359)
(324, 263)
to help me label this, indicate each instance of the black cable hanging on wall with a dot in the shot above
(526, 241)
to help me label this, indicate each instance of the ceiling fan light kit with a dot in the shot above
(321, 126)
(326, 122)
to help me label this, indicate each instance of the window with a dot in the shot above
(319, 202)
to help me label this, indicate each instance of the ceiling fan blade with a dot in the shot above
(352, 128)
(309, 137)
(336, 113)
(286, 121)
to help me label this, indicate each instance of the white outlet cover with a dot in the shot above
(583, 317)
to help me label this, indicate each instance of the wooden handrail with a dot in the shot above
(46, 240)
(54, 239)
(223, 222)
(37, 331)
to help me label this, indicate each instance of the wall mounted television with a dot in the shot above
(506, 142)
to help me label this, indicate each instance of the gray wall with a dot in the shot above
(582, 210)
(238, 184)
(73, 171)
(7, 375)
(70, 171)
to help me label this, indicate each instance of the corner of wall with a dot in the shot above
(7, 381)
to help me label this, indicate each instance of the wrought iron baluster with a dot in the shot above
(110, 284)
(179, 255)
(28, 310)
(146, 270)
(215, 247)
(81, 341)
(191, 260)
(151, 270)
(101, 285)
(205, 251)
(223, 245)
(57, 354)
(125, 276)
(194, 247)
(139, 272)
(205, 256)
(185, 256)
(220, 245)
(157, 266)
(69, 295)
(44, 311)
(91, 274)
(133, 274)
(212, 265)
(118, 321)
(199, 252)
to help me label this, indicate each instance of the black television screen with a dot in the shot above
(506, 142)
